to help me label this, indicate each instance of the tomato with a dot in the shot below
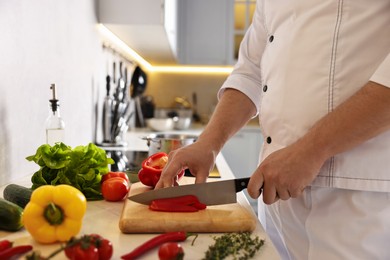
(115, 189)
(114, 174)
(103, 247)
(82, 252)
(89, 253)
(170, 251)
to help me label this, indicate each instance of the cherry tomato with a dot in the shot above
(115, 189)
(105, 248)
(170, 251)
(82, 252)
(114, 174)
(89, 253)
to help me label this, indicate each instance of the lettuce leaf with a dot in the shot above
(81, 167)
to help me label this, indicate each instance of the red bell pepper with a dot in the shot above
(152, 167)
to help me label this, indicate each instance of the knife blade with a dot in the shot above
(209, 193)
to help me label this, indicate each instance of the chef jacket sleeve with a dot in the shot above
(382, 74)
(246, 75)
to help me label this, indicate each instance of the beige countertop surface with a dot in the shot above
(102, 217)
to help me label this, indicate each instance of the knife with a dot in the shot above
(209, 193)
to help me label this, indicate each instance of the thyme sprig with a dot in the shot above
(240, 246)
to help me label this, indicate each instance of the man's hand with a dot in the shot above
(284, 174)
(199, 159)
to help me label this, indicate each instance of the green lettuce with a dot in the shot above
(81, 167)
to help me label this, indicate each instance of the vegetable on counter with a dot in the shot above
(14, 252)
(5, 244)
(54, 213)
(81, 167)
(187, 203)
(239, 245)
(17, 194)
(171, 251)
(158, 241)
(152, 167)
(115, 189)
(110, 175)
(10, 216)
(87, 247)
(91, 246)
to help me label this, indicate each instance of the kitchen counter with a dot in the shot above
(102, 217)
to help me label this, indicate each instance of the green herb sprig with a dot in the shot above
(240, 246)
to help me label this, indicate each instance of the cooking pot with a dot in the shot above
(168, 142)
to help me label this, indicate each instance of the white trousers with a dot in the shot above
(331, 224)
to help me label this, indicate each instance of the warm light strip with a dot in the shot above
(192, 69)
(123, 46)
(162, 69)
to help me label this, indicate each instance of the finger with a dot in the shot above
(283, 194)
(255, 185)
(270, 194)
(168, 175)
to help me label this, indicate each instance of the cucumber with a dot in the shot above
(17, 194)
(10, 216)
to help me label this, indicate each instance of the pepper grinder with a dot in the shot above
(55, 125)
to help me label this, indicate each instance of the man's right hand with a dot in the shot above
(198, 158)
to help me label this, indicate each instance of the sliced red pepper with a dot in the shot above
(157, 241)
(168, 207)
(152, 167)
(187, 203)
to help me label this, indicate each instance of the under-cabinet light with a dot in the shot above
(113, 39)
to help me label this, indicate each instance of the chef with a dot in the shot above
(317, 75)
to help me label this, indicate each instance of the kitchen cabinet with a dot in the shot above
(205, 32)
(196, 32)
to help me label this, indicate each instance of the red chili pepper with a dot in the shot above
(5, 244)
(187, 203)
(157, 241)
(13, 252)
(152, 167)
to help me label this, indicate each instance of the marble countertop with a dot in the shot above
(102, 217)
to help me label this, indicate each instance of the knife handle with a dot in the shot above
(241, 184)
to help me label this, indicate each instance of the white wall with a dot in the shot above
(57, 41)
(44, 42)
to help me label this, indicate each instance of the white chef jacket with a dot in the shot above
(299, 60)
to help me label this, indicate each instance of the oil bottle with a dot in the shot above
(55, 125)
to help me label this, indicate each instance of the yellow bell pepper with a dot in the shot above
(54, 213)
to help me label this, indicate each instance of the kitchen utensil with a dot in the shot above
(195, 114)
(168, 142)
(182, 123)
(160, 124)
(107, 112)
(138, 81)
(138, 218)
(209, 193)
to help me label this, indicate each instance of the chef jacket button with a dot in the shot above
(271, 38)
(265, 88)
(269, 140)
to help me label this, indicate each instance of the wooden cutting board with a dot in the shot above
(138, 218)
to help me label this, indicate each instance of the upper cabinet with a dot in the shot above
(167, 32)
(205, 32)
